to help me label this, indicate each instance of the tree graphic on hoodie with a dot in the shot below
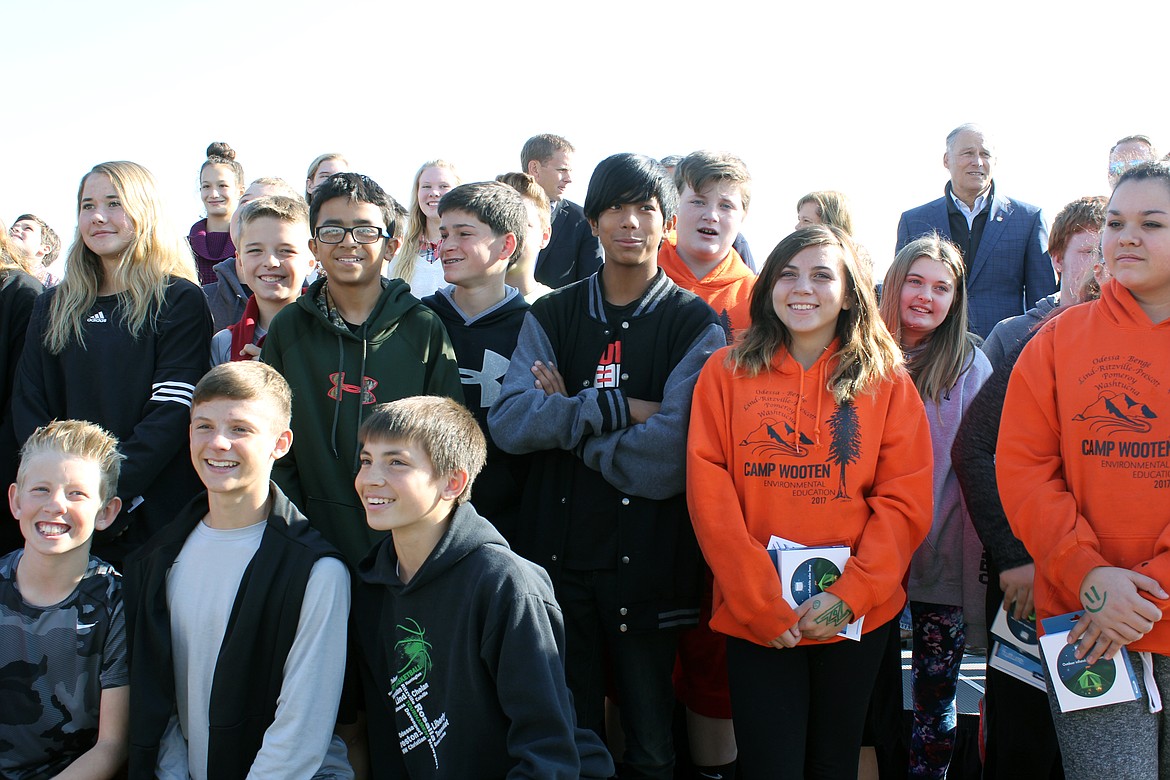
(845, 447)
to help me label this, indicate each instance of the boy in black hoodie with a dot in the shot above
(483, 226)
(461, 640)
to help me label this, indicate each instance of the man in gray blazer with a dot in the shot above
(1004, 241)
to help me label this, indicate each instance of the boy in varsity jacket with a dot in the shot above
(600, 384)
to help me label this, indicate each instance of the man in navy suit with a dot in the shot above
(573, 252)
(1004, 242)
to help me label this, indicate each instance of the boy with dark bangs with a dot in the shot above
(353, 340)
(600, 385)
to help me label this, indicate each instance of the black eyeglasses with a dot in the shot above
(363, 234)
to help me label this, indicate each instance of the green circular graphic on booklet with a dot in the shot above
(1082, 679)
(1023, 630)
(812, 577)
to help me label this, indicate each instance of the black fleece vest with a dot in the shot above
(260, 632)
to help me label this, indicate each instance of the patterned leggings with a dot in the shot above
(939, 635)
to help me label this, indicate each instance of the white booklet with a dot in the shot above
(1016, 649)
(1021, 634)
(1078, 685)
(807, 571)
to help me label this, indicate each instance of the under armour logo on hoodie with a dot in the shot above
(365, 389)
(495, 366)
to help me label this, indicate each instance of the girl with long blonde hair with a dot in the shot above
(121, 342)
(417, 262)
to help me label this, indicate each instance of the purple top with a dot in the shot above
(209, 249)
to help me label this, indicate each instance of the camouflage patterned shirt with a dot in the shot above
(54, 663)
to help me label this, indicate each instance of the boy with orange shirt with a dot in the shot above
(714, 193)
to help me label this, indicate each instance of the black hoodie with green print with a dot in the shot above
(464, 666)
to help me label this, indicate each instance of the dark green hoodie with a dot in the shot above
(337, 376)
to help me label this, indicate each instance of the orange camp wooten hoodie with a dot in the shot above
(775, 455)
(1083, 458)
(727, 288)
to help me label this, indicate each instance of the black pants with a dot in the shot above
(641, 664)
(1017, 723)
(799, 712)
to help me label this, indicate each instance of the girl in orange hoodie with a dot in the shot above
(1083, 466)
(809, 429)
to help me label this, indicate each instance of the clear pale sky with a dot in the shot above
(849, 95)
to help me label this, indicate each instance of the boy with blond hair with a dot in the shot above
(64, 702)
(273, 260)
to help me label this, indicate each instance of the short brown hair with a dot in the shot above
(246, 380)
(444, 429)
(1134, 139)
(49, 237)
(698, 169)
(76, 439)
(493, 203)
(542, 147)
(1087, 213)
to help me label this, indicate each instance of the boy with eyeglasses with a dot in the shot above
(353, 340)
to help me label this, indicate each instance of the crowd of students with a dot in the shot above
(335, 488)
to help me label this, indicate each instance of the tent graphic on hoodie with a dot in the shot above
(1117, 413)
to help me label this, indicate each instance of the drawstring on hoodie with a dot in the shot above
(800, 405)
(357, 439)
(324, 304)
(357, 447)
(337, 403)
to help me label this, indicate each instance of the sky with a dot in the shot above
(851, 96)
